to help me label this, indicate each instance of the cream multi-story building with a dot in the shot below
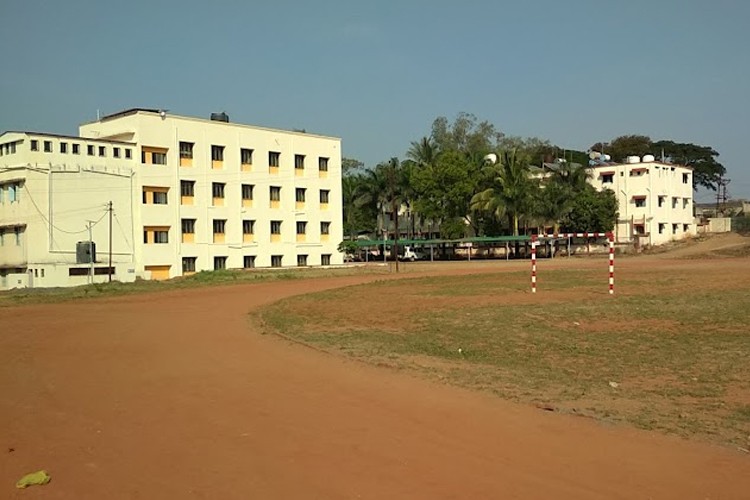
(655, 199)
(187, 194)
(54, 188)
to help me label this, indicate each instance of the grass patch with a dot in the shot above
(675, 349)
(202, 279)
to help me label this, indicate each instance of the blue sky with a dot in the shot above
(378, 73)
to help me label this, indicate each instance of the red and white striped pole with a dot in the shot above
(533, 263)
(611, 263)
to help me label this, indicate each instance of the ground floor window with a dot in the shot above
(276, 260)
(248, 262)
(302, 260)
(325, 259)
(188, 264)
(220, 263)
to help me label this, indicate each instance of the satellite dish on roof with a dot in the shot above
(594, 155)
(491, 158)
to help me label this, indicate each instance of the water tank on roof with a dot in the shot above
(85, 252)
(633, 159)
(648, 158)
(220, 117)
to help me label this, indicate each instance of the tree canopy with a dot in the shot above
(469, 178)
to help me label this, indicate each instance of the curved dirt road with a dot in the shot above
(174, 396)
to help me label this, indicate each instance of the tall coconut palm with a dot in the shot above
(510, 193)
(423, 152)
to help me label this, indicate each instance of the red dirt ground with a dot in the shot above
(176, 396)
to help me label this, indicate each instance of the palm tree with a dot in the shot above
(572, 176)
(354, 194)
(423, 152)
(510, 194)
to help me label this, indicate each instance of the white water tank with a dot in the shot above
(648, 158)
(633, 159)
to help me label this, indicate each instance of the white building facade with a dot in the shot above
(655, 199)
(52, 189)
(192, 195)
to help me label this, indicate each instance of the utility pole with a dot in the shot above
(394, 207)
(109, 269)
(90, 225)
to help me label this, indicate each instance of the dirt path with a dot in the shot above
(175, 396)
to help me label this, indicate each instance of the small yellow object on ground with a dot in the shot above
(38, 477)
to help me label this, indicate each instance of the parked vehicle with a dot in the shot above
(410, 253)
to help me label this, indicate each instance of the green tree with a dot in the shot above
(625, 145)
(511, 191)
(357, 215)
(351, 166)
(443, 190)
(466, 134)
(707, 171)
(592, 210)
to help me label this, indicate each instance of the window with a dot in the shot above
(217, 189)
(248, 226)
(325, 259)
(248, 261)
(324, 196)
(160, 198)
(186, 150)
(325, 228)
(608, 178)
(76, 149)
(246, 156)
(301, 260)
(219, 226)
(640, 229)
(301, 227)
(161, 236)
(2, 237)
(675, 227)
(275, 193)
(685, 202)
(155, 195)
(299, 194)
(128, 153)
(685, 178)
(34, 145)
(116, 152)
(187, 188)
(47, 146)
(220, 263)
(275, 227)
(273, 159)
(188, 264)
(158, 158)
(640, 201)
(153, 155)
(90, 150)
(323, 164)
(102, 151)
(299, 162)
(18, 232)
(155, 234)
(63, 147)
(685, 228)
(188, 230)
(674, 201)
(188, 226)
(247, 191)
(661, 201)
(276, 260)
(662, 227)
(217, 153)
